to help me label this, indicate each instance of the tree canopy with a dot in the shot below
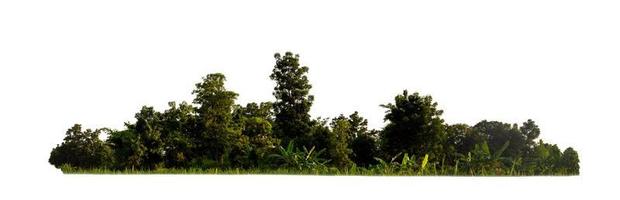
(213, 132)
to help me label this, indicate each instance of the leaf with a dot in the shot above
(499, 152)
(485, 149)
(424, 162)
(423, 166)
(394, 158)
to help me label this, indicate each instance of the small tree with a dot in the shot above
(338, 140)
(570, 161)
(82, 149)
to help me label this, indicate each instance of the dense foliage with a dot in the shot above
(213, 133)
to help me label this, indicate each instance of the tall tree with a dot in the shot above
(414, 126)
(293, 102)
(216, 137)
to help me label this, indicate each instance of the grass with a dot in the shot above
(352, 171)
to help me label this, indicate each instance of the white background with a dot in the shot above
(97, 62)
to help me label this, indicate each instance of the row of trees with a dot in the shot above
(213, 131)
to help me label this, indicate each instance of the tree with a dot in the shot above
(459, 141)
(544, 160)
(216, 138)
(82, 149)
(293, 102)
(570, 161)
(338, 140)
(358, 125)
(128, 149)
(178, 124)
(414, 126)
(263, 110)
(365, 148)
(255, 120)
(497, 133)
(319, 135)
(149, 132)
(530, 131)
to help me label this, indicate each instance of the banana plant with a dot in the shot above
(481, 157)
(294, 158)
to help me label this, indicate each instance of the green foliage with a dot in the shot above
(531, 131)
(292, 157)
(148, 129)
(128, 149)
(458, 141)
(546, 158)
(177, 125)
(482, 157)
(496, 134)
(570, 161)
(338, 141)
(293, 102)
(255, 124)
(82, 149)
(365, 148)
(358, 126)
(414, 126)
(215, 136)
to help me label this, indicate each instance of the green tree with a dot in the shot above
(178, 123)
(414, 126)
(319, 135)
(128, 149)
(544, 160)
(497, 133)
(365, 148)
(358, 125)
(570, 161)
(338, 141)
(459, 141)
(216, 139)
(82, 149)
(530, 131)
(255, 120)
(149, 130)
(263, 110)
(293, 102)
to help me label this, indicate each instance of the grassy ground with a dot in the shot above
(327, 171)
